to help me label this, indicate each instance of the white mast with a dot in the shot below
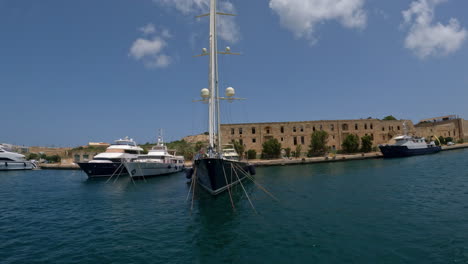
(214, 126)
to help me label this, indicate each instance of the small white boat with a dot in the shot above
(158, 161)
(14, 161)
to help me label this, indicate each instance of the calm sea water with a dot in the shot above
(411, 210)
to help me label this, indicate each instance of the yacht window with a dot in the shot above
(128, 151)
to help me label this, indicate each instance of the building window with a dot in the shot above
(254, 140)
(240, 131)
(295, 141)
(383, 137)
(85, 157)
(232, 131)
(371, 126)
(398, 127)
(282, 139)
(76, 158)
(282, 129)
(302, 128)
(383, 128)
(332, 127)
(294, 129)
(449, 133)
(241, 142)
(344, 127)
(313, 128)
(372, 136)
(333, 136)
(253, 130)
(302, 140)
(356, 127)
(333, 147)
(365, 126)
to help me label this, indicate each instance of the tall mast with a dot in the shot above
(213, 82)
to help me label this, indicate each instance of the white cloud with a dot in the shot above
(148, 29)
(228, 30)
(150, 50)
(426, 38)
(302, 16)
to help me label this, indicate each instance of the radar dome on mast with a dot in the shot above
(230, 92)
(205, 93)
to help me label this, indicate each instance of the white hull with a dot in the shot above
(148, 169)
(16, 165)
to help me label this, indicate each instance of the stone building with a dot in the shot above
(445, 126)
(291, 134)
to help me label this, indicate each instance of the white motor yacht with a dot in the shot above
(14, 161)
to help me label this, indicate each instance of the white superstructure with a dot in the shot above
(123, 149)
(14, 161)
(413, 142)
(158, 161)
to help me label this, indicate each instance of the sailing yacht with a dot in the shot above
(158, 161)
(14, 161)
(214, 170)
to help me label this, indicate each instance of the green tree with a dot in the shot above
(251, 154)
(442, 140)
(297, 152)
(366, 144)
(238, 147)
(390, 117)
(350, 144)
(53, 159)
(183, 148)
(198, 146)
(288, 152)
(461, 141)
(32, 156)
(318, 143)
(271, 149)
(448, 139)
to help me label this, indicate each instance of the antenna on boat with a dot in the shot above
(210, 95)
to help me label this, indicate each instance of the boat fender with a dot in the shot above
(189, 173)
(252, 170)
(6, 164)
(24, 163)
(169, 166)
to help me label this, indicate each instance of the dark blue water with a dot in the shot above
(412, 210)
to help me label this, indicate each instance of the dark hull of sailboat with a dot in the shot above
(217, 175)
(403, 151)
(96, 170)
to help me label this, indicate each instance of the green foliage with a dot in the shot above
(198, 146)
(251, 154)
(448, 139)
(350, 144)
(183, 148)
(461, 141)
(32, 156)
(238, 147)
(366, 144)
(297, 152)
(442, 140)
(288, 152)
(390, 117)
(97, 149)
(271, 149)
(53, 159)
(318, 143)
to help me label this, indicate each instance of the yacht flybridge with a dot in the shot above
(158, 161)
(216, 171)
(14, 161)
(109, 162)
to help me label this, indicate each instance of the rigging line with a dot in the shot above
(190, 189)
(142, 174)
(248, 198)
(114, 172)
(228, 187)
(118, 175)
(258, 184)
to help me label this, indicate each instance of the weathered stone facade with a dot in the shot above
(291, 134)
(456, 128)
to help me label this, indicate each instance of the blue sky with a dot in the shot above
(78, 71)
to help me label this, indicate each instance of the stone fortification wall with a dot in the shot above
(291, 134)
(450, 128)
(465, 129)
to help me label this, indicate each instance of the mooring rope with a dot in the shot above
(251, 204)
(258, 185)
(228, 187)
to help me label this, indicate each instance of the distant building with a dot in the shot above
(291, 134)
(444, 126)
